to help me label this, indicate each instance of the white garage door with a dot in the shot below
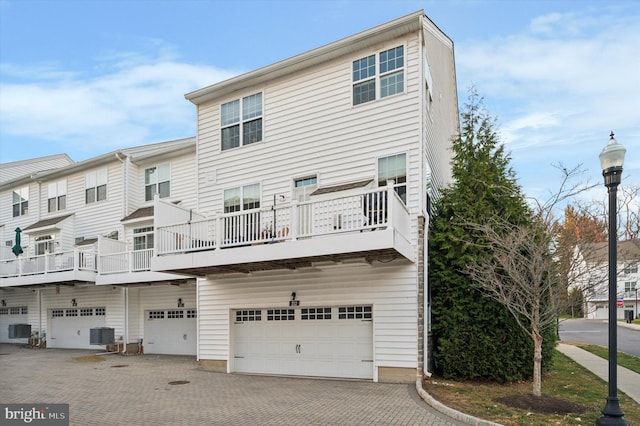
(170, 331)
(324, 341)
(70, 327)
(12, 315)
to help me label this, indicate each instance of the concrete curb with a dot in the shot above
(455, 414)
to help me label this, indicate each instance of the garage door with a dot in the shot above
(12, 315)
(333, 341)
(70, 327)
(170, 331)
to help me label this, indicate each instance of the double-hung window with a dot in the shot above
(157, 180)
(241, 121)
(20, 201)
(57, 196)
(388, 75)
(95, 186)
(394, 169)
(242, 198)
(143, 238)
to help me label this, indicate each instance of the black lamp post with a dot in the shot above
(611, 160)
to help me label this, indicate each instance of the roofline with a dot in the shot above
(31, 160)
(120, 154)
(364, 39)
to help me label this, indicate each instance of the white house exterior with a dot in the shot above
(591, 276)
(314, 180)
(87, 239)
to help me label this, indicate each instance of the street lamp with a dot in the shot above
(611, 160)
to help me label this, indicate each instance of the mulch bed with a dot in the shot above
(542, 404)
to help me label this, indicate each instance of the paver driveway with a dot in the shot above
(135, 390)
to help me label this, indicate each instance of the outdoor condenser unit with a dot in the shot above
(19, 331)
(101, 336)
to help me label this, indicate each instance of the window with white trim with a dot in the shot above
(95, 186)
(315, 313)
(394, 169)
(629, 288)
(57, 313)
(156, 315)
(241, 121)
(175, 314)
(143, 238)
(57, 196)
(249, 315)
(45, 244)
(21, 201)
(157, 180)
(354, 312)
(242, 198)
(631, 268)
(280, 315)
(389, 76)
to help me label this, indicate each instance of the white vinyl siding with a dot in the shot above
(390, 288)
(299, 109)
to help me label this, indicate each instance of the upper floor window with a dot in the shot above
(157, 180)
(242, 198)
(21, 201)
(394, 169)
(389, 76)
(631, 268)
(629, 287)
(241, 121)
(95, 186)
(57, 196)
(143, 238)
(45, 244)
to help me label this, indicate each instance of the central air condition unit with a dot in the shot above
(19, 331)
(102, 336)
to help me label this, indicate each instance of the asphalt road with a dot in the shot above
(596, 332)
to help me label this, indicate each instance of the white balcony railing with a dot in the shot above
(373, 210)
(125, 262)
(72, 260)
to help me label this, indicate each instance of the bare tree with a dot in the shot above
(523, 270)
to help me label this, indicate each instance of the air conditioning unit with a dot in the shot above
(19, 331)
(102, 336)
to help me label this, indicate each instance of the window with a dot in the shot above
(394, 168)
(101, 311)
(390, 75)
(243, 198)
(631, 268)
(241, 129)
(86, 312)
(95, 186)
(315, 313)
(57, 196)
(354, 312)
(157, 180)
(21, 202)
(156, 315)
(310, 180)
(57, 313)
(143, 238)
(629, 288)
(175, 314)
(280, 315)
(44, 245)
(192, 313)
(248, 315)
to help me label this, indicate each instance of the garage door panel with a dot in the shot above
(71, 327)
(170, 332)
(330, 342)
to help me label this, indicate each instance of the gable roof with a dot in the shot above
(362, 40)
(16, 169)
(598, 253)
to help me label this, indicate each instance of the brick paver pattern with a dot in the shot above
(135, 390)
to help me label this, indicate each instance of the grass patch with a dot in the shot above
(624, 360)
(567, 381)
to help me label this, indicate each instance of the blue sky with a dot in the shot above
(87, 77)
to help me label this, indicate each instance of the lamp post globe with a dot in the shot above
(611, 161)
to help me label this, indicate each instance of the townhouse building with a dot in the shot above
(86, 234)
(591, 276)
(288, 237)
(314, 181)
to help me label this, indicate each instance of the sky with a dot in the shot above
(88, 77)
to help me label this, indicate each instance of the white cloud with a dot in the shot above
(131, 102)
(558, 88)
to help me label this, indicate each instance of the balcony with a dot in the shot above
(65, 266)
(370, 225)
(120, 265)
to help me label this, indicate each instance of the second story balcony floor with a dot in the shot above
(372, 225)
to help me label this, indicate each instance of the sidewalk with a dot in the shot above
(628, 381)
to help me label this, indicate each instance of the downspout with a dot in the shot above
(125, 301)
(426, 315)
(39, 296)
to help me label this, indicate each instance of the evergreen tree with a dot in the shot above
(475, 337)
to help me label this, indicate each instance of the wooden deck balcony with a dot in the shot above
(370, 225)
